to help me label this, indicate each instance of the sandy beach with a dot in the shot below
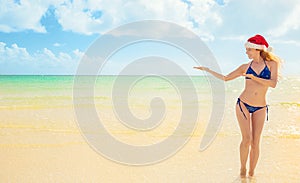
(62, 158)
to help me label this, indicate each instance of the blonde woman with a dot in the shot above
(251, 107)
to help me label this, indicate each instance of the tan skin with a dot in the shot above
(254, 94)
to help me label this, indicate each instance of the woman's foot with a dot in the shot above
(243, 172)
(251, 173)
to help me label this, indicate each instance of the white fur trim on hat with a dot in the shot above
(256, 46)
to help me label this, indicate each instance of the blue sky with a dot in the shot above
(50, 37)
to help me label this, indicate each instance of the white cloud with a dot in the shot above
(287, 42)
(252, 17)
(64, 57)
(290, 22)
(78, 53)
(197, 16)
(202, 12)
(205, 17)
(24, 16)
(278, 21)
(13, 53)
(48, 54)
(17, 60)
(57, 44)
(78, 16)
(94, 16)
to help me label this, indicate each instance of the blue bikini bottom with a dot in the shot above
(250, 108)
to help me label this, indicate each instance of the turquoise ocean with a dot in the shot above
(19, 93)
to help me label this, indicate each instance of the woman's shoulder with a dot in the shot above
(272, 63)
(245, 65)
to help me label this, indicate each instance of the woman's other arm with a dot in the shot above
(272, 82)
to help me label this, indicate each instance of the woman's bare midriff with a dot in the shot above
(254, 93)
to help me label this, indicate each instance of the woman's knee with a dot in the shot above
(254, 144)
(246, 141)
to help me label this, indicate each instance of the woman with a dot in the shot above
(251, 108)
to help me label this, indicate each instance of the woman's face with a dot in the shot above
(252, 53)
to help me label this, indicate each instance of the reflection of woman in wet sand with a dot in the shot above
(251, 107)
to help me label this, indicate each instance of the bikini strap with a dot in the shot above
(267, 112)
(265, 63)
(239, 103)
(251, 63)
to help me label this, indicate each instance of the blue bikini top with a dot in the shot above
(265, 73)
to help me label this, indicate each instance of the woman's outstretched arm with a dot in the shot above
(234, 74)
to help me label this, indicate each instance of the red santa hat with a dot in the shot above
(258, 42)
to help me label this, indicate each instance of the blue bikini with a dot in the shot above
(250, 108)
(264, 74)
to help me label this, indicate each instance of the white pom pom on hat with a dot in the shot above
(258, 42)
(270, 49)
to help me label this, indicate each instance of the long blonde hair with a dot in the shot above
(269, 56)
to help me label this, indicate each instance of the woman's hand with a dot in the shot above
(201, 68)
(251, 76)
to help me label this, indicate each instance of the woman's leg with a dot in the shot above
(246, 135)
(258, 119)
